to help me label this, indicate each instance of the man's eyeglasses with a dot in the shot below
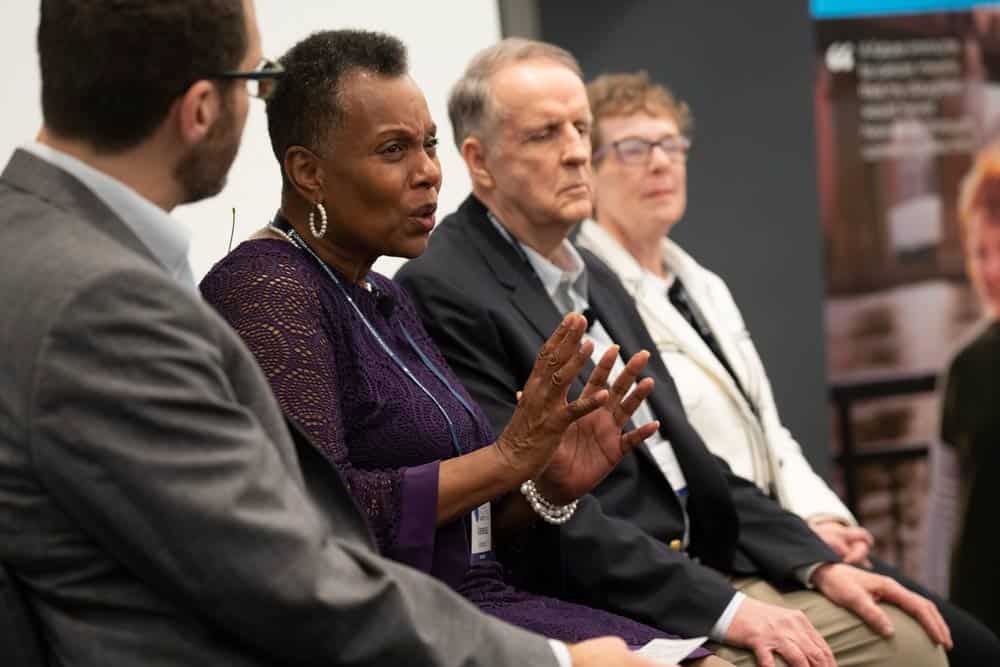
(636, 150)
(262, 81)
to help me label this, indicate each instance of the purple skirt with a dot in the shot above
(484, 587)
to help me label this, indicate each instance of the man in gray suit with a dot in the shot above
(154, 508)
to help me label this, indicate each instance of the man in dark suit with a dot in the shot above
(154, 508)
(705, 554)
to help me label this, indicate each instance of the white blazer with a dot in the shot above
(759, 449)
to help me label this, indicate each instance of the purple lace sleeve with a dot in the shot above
(272, 300)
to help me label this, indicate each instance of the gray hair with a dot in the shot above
(471, 107)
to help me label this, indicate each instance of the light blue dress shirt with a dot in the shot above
(167, 239)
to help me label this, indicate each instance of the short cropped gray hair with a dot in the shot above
(471, 107)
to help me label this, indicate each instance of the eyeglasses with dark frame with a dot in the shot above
(636, 150)
(261, 82)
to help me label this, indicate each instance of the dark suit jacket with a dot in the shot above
(482, 303)
(971, 424)
(153, 506)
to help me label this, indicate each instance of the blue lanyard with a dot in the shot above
(431, 366)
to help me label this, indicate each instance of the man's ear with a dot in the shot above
(305, 172)
(197, 111)
(474, 153)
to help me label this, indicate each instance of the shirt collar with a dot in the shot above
(631, 274)
(166, 238)
(548, 272)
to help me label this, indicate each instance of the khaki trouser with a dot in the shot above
(854, 644)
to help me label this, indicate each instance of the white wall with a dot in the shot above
(438, 54)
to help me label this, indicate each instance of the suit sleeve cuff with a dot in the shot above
(721, 627)
(418, 516)
(805, 573)
(562, 653)
(820, 517)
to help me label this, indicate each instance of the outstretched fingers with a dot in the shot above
(636, 364)
(560, 363)
(923, 610)
(633, 438)
(559, 360)
(584, 406)
(560, 345)
(602, 371)
(624, 410)
(563, 377)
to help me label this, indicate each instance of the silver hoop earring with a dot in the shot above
(317, 233)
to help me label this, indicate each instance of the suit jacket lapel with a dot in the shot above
(527, 294)
(691, 343)
(48, 182)
(667, 327)
(619, 318)
(613, 318)
(687, 341)
(714, 526)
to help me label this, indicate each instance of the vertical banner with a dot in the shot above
(906, 94)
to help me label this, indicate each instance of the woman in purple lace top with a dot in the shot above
(350, 362)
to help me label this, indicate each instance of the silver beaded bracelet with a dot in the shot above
(549, 512)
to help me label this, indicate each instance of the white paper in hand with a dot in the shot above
(670, 651)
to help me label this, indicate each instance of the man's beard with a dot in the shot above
(202, 172)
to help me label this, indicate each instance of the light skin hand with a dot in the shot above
(594, 444)
(607, 652)
(852, 543)
(769, 630)
(861, 591)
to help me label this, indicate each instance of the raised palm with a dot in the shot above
(594, 444)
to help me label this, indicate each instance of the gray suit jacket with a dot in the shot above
(152, 503)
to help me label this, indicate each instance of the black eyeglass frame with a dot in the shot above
(678, 140)
(267, 70)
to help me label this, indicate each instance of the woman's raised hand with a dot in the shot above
(593, 445)
(543, 414)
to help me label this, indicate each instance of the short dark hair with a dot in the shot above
(110, 70)
(306, 103)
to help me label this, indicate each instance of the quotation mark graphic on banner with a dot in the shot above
(840, 57)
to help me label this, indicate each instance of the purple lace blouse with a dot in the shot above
(374, 423)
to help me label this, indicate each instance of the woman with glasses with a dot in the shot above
(640, 146)
(350, 362)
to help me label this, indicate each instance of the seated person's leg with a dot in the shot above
(975, 644)
(710, 661)
(854, 644)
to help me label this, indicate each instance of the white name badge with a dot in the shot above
(481, 539)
